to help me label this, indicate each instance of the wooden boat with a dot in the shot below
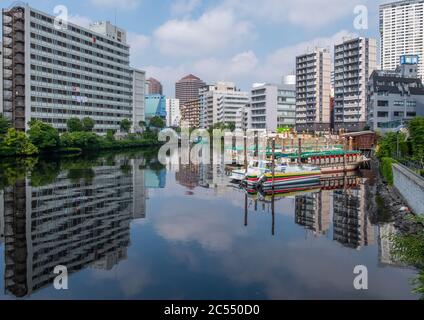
(290, 177)
(333, 161)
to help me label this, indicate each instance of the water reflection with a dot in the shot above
(82, 218)
(203, 237)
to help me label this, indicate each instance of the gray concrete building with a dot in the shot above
(395, 96)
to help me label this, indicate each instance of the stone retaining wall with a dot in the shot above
(411, 186)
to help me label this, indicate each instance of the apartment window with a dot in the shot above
(382, 114)
(383, 103)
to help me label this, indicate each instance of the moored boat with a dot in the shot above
(290, 176)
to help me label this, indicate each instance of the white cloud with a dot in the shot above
(184, 7)
(304, 13)
(246, 67)
(282, 61)
(121, 4)
(214, 31)
(138, 45)
(81, 21)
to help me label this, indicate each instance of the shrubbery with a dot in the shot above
(386, 168)
(43, 138)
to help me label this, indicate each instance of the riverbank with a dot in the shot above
(392, 205)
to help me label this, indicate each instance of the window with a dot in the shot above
(383, 103)
(382, 114)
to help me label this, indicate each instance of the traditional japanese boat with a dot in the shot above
(300, 177)
(329, 161)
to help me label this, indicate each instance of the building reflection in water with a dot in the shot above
(80, 220)
(338, 207)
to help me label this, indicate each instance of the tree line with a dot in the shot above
(79, 137)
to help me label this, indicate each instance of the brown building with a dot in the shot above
(155, 87)
(187, 89)
(190, 113)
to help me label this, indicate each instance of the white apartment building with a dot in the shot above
(273, 106)
(173, 113)
(402, 32)
(244, 118)
(220, 103)
(354, 62)
(55, 72)
(313, 90)
(139, 101)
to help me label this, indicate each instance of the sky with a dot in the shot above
(243, 41)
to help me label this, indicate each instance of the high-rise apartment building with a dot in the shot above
(313, 90)
(154, 86)
(53, 72)
(354, 61)
(187, 89)
(273, 106)
(395, 96)
(402, 32)
(173, 114)
(219, 103)
(190, 114)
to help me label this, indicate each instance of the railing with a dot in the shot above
(414, 165)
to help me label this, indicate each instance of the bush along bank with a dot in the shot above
(42, 138)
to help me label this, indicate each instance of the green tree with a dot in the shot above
(19, 143)
(82, 140)
(110, 135)
(125, 125)
(43, 136)
(88, 124)
(74, 125)
(157, 122)
(4, 125)
(416, 131)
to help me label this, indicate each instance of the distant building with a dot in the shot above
(173, 114)
(139, 98)
(354, 61)
(401, 30)
(313, 91)
(53, 74)
(155, 107)
(244, 118)
(154, 87)
(273, 106)
(187, 89)
(219, 103)
(395, 96)
(190, 114)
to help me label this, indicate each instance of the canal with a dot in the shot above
(127, 227)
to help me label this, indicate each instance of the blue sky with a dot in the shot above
(244, 41)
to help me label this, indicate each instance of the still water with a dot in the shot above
(127, 227)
